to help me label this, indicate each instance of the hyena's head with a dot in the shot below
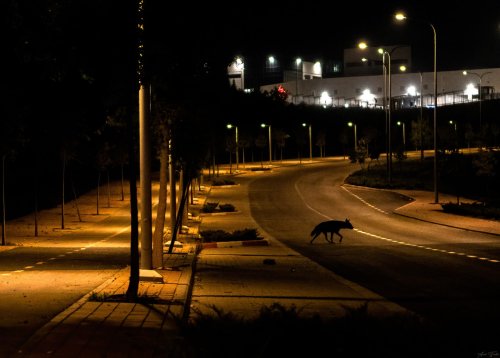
(348, 224)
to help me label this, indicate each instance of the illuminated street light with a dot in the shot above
(480, 76)
(350, 124)
(310, 141)
(229, 126)
(402, 17)
(263, 125)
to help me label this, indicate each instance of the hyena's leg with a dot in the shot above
(315, 236)
(340, 240)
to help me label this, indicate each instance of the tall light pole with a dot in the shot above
(263, 125)
(402, 17)
(229, 126)
(480, 76)
(310, 141)
(387, 100)
(421, 120)
(404, 135)
(146, 257)
(298, 61)
(350, 124)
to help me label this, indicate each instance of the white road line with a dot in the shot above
(364, 201)
(71, 252)
(308, 206)
(427, 247)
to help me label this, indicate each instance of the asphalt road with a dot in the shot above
(36, 283)
(444, 274)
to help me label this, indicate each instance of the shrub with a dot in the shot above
(245, 234)
(472, 209)
(209, 207)
(223, 236)
(227, 207)
(219, 182)
(215, 235)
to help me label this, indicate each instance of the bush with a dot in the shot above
(227, 208)
(215, 235)
(223, 236)
(219, 182)
(280, 331)
(209, 207)
(472, 209)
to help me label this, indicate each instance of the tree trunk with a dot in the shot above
(178, 222)
(76, 201)
(133, 286)
(3, 200)
(109, 190)
(123, 195)
(97, 199)
(62, 193)
(161, 209)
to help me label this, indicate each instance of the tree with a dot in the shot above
(280, 137)
(421, 135)
(261, 142)
(162, 119)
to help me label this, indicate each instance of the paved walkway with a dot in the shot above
(227, 276)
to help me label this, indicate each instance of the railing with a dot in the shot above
(399, 102)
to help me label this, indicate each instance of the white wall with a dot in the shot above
(345, 88)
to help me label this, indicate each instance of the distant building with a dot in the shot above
(407, 89)
(362, 81)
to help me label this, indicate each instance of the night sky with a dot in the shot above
(468, 37)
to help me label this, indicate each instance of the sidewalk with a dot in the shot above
(424, 208)
(228, 276)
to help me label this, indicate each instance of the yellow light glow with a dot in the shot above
(362, 45)
(400, 16)
(402, 68)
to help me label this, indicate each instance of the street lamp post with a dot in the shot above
(480, 76)
(298, 61)
(263, 125)
(404, 135)
(454, 124)
(310, 141)
(402, 17)
(229, 126)
(350, 124)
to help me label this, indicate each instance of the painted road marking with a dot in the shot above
(365, 202)
(388, 239)
(71, 252)
(426, 247)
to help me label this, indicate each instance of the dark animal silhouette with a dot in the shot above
(332, 227)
